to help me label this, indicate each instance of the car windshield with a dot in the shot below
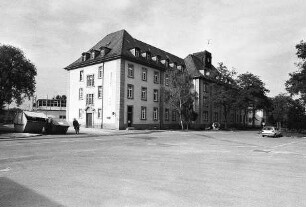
(268, 128)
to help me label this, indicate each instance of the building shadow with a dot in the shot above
(13, 194)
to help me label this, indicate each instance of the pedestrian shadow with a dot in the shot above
(13, 194)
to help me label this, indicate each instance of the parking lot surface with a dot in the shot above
(153, 168)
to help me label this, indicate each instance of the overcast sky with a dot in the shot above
(257, 36)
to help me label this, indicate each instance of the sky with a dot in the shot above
(256, 36)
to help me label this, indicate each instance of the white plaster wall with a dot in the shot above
(109, 93)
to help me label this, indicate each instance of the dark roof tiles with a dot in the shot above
(120, 44)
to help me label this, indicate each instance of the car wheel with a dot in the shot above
(263, 135)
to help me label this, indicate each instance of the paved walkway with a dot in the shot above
(7, 132)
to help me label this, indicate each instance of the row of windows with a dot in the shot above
(130, 94)
(81, 93)
(143, 114)
(144, 74)
(51, 102)
(147, 55)
(90, 78)
(239, 118)
(205, 116)
(81, 113)
(155, 114)
(144, 92)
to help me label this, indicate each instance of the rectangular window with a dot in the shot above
(99, 113)
(205, 87)
(143, 113)
(155, 95)
(80, 94)
(216, 116)
(205, 101)
(137, 52)
(156, 77)
(144, 74)
(90, 80)
(167, 79)
(155, 114)
(143, 93)
(89, 99)
(167, 63)
(130, 91)
(148, 56)
(173, 115)
(167, 114)
(205, 115)
(99, 91)
(130, 70)
(100, 71)
(80, 113)
(82, 75)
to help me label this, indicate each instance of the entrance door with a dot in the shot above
(89, 120)
(130, 115)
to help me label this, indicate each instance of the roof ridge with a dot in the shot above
(159, 49)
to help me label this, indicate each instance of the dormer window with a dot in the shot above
(181, 67)
(174, 65)
(148, 55)
(85, 56)
(157, 58)
(94, 54)
(137, 52)
(104, 51)
(167, 61)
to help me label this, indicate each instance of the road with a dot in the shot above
(154, 168)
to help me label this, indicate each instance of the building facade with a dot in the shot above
(117, 84)
(55, 108)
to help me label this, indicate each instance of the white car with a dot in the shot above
(271, 131)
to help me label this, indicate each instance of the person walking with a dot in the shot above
(76, 126)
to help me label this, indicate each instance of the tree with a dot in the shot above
(296, 115)
(296, 85)
(17, 76)
(224, 95)
(280, 108)
(252, 93)
(179, 95)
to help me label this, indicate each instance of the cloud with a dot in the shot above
(251, 35)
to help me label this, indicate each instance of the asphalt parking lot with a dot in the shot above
(153, 168)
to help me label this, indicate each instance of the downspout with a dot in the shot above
(102, 96)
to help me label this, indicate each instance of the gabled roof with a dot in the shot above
(194, 64)
(120, 44)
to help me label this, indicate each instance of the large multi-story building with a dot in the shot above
(117, 84)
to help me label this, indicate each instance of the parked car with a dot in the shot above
(271, 131)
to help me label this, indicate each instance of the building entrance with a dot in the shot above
(89, 120)
(130, 115)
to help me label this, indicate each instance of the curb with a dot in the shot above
(17, 135)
